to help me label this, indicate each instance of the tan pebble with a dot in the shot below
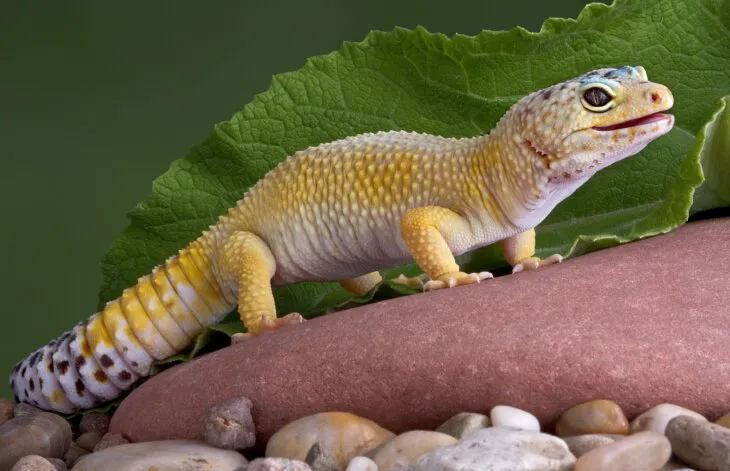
(319, 460)
(657, 417)
(229, 424)
(699, 443)
(341, 435)
(164, 455)
(33, 463)
(507, 416)
(22, 409)
(43, 434)
(724, 420)
(408, 447)
(88, 440)
(109, 440)
(599, 416)
(73, 454)
(642, 451)
(463, 424)
(579, 445)
(362, 463)
(7, 409)
(97, 422)
(277, 464)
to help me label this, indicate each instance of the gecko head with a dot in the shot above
(581, 126)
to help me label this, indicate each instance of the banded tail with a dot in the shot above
(101, 358)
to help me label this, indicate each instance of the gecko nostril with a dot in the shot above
(656, 98)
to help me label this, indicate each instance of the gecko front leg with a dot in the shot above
(519, 251)
(430, 233)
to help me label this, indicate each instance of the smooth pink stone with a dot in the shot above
(640, 324)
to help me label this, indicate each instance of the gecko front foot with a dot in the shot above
(449, 280)
(533, 263)
(413, 282)
(268, 324)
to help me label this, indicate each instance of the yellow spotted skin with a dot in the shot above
(344, 210)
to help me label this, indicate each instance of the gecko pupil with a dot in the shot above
(596, 97)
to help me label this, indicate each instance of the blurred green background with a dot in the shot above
(98, 98)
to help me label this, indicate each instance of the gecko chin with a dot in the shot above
(598, 147)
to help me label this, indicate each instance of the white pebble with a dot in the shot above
(362, 463)
(658, 417)
(507, 416)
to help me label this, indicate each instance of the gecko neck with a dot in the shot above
(514, 174)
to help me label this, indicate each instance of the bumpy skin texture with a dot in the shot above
(343, 210)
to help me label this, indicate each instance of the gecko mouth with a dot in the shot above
(648, 119)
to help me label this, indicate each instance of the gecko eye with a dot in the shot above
(598, 98)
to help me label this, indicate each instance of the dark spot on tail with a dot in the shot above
(80, 388)
(31, 385)
(134, 364)
(125, 376)
(100, 376)
(34, 358)
(40, 383)
(62, 366)
(23, 371)
(80, 361)
(49, 366)
(546, 94)
(106, 362)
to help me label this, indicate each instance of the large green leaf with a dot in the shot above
(459, 86)
(714, 148)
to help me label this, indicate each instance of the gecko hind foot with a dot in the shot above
(451, 280)
(269, 324)
(533, 263)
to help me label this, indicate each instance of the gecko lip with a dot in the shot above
(648, 119)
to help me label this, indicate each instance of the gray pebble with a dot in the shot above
(229, 425)
(699, 443)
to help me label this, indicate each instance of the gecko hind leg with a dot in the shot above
(361, 285)
(248, 263)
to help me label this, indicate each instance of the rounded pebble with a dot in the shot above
(699, 443)
(33, 463)
(362, 463)
(109, 440)
(463, 424)
(43, 434)
(405, 448)
(73, 454)
(499, 448)
(579, 445)
(320, 461)
(88, 440)
(7, 409)
(168, 455)
(507, 416)
(658, 417)
(642, 451)
(229, 424)
(96, 422)
(341, 435)
(277, 464)
(600, 416)
(23, 408)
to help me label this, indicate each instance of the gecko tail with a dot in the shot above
(103, 357)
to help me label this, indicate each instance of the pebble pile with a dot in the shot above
(593, 436)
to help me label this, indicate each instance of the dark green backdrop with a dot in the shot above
(96, 100)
